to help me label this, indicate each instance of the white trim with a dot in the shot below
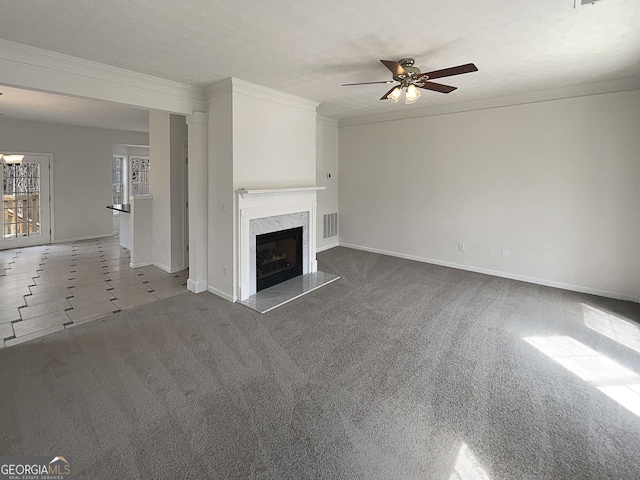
(196, 287)
(327, 247)
(51, 192)
(37, 69)
(254, 204)
(327, 121)
(272, 192)
(185, 202)
(52, 203)
(496, 273)
(165, 268)
(599, 88)
(235, 85)
(140, 264)
(218, 89)
(220, 293)
(88, 237)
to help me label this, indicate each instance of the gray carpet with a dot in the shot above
(399, 370)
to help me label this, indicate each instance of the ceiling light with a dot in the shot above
(412, 95)
(11, 158)
(395, 95)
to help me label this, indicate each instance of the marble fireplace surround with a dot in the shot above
(263, 211)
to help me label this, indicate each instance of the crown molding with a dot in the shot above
(218, 89)
(235, 85)
(583, 90)
(33, 68)
(327, 121)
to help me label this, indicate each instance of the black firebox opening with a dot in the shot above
(278, 257)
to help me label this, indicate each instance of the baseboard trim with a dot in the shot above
(497, 273)
(140, 264)
(220, 293)
(88, 237)
(168, 269)
(196, 287)
(326, 247)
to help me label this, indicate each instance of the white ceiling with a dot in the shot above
(309, 48)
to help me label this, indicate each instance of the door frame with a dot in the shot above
(51, 191)
(185, 203)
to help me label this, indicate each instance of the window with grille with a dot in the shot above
(117, 179)
(140, 175)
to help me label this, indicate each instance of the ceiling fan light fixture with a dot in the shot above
(412, 95)
(394, 96)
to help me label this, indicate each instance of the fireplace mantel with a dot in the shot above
(272, 192)
(254, 204)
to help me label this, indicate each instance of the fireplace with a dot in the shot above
(263, 212)
(278, 257)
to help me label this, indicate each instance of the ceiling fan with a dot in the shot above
(410, 77)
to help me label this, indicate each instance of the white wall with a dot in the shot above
(178, 145)
(326, 163)
(160, 186)
(556, 183)
(167, 134)
(258, 138)
(221, 196)
(82, 160)
(274, 144)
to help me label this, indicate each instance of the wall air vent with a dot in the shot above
(330, 225)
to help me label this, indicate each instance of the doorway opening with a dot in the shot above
(26, 201)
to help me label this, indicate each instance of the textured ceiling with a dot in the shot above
(309, 48)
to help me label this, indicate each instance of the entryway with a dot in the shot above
(26, 206)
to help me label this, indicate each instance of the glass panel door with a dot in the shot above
(25, 195)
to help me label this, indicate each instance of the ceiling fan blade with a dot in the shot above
(395, 67)
(448, 72)
(437, 87)
(384, 97)
(365, 83)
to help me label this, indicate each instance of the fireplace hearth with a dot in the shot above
(278, 257)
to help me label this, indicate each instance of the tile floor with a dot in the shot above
(51, 287)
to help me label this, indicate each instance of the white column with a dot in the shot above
(198, 201)
(126, 179)
(160, 187)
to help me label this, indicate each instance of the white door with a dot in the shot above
(26, 204)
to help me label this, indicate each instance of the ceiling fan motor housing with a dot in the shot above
(407, 65)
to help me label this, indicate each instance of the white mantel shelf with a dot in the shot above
(272, 192)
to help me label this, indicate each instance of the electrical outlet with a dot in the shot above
(461, 247)
(505, 253)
